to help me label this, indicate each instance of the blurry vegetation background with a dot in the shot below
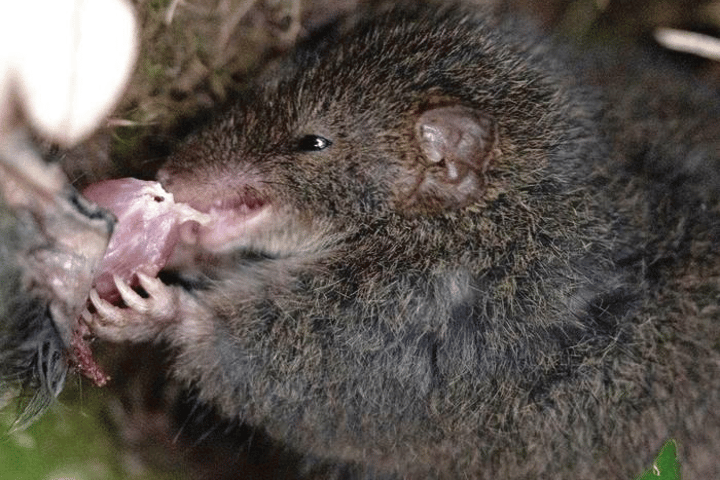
(194, 54)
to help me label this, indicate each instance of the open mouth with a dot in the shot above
(153, 221)
(149, 225)
(231, 220)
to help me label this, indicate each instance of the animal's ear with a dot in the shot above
(458, 143)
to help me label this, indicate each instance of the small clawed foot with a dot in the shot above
(143, 319)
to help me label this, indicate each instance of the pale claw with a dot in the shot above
(108, 312)
(110, 322)
(162, 301)
(152, 285)
(160, 304)
(129, 296)
(142, 319)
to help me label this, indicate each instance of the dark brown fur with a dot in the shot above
(561, 321)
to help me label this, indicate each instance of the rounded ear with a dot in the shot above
(458, 144)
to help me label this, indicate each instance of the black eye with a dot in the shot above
(313, 143)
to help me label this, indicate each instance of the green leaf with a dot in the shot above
(666, 465)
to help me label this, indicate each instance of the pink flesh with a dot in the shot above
(149, 226)
(83, 358)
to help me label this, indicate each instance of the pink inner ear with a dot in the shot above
(460, 142)
(148, 228)
(461, 137)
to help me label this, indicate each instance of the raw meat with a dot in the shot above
(148, 228)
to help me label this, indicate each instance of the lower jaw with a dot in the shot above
(230, 229)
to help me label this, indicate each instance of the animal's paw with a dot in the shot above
(142, 319)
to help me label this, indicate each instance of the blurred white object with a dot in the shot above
(689, 42)
(65, 61)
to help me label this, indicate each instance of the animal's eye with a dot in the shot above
(313, 143)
